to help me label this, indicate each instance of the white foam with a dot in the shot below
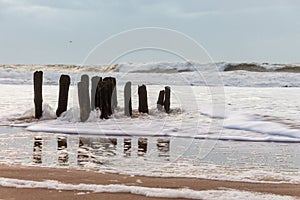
(193, 73)
(71, 115)
(223, 194)
(205, 171)
(47, 114)
(254, 124)
(184, 121)
(252, 128)
(278, 102)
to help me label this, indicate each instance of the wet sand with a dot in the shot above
(74, 176)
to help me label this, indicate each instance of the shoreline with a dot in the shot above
(77, 176)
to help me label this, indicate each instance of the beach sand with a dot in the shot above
(75, 176)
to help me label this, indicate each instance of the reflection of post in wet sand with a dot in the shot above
(127, 146)
(63, 156)
(93, 149)
(37, 150)
(142, 146)
(163, 147)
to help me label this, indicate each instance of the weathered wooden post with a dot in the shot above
(64, 84)
(143, 102)
(109, 85)
(84, 98)
(95, 81)
(104, 93)
(98, 94)
(160, 100)
(167, 99)
(114, 94)
(85, 78)
(127, 99)
(38, 93)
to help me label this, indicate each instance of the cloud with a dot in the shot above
(59, 4)
(197, 8)
(24, 7)
(180, 13)
(46, 23)
(170, 8)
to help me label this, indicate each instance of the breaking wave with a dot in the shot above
(265, 67)
(178, 73)
(157, 67)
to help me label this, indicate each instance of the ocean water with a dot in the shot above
(245, 129)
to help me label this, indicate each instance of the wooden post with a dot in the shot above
(95, 81)
(64, 84)
(85, 78)
(160, 100)
(127, 99)
(104, 93)
(109, 85)
(38, 93)
(143, 102)
(84, 98)
(167, 99)
(114, 94)
(98, 94)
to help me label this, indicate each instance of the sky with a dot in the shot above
(40, 31)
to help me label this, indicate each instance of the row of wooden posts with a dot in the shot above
(103, 96)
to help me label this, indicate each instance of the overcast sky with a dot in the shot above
(33, 31)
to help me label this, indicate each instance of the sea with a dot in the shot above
(228, 121)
